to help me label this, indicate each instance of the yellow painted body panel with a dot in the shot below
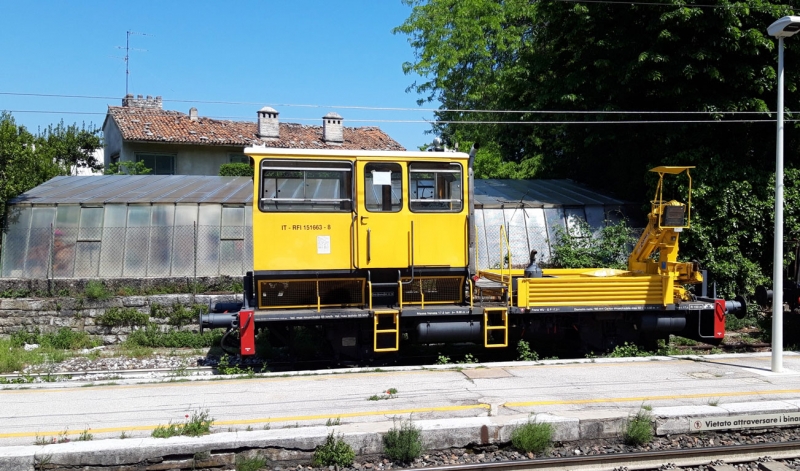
(296, 241)
(440, 239)
(590, 291)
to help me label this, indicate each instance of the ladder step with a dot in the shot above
(395, 316)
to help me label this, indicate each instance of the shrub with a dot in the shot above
(532, 437)
(333, 452)
(235, 170)
(96, 290)
(607, 247)
(638, 429)
(122, 316)
(178, 315)
(403, 444)
(524, 352)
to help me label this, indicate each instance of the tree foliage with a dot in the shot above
(27, 159)
(235, 170)
(583, 90)
(127, 167)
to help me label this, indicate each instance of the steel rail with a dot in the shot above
(640, 460)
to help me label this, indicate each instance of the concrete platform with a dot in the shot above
(287, 415)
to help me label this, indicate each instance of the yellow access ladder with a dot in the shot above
(385, 332)
(495, 318)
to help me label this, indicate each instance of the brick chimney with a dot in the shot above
(268, 127)
(332, 132)
(193, 113)
(148, 103)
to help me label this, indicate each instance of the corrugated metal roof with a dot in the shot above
(494, 193)
(140, 189)
(146, 189)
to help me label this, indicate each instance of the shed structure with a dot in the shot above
(183, 225)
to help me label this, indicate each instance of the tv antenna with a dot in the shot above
(128, 50)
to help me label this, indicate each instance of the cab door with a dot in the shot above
(382, 222)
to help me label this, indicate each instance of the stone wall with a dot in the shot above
(79, 314)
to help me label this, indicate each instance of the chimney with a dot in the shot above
(193, 113)
(148, 103)
(332, 132)
(268, 123)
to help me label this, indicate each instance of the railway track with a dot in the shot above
(649, 460)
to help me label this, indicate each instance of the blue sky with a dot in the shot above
(328, 53)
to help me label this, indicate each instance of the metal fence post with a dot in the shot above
(194, 287)
(50, 260)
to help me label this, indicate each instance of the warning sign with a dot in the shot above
(746, 421)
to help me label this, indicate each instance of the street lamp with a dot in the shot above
(782, 28)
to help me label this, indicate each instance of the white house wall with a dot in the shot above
(189, 160)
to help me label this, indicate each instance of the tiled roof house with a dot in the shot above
(175, 143)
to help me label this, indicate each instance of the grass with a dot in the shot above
(532, 437)
(334, 452)
(333, 422)
(250, 463)
(638, 429)
(54, 347)
(403, 444)
(198, 424)
(153, 336)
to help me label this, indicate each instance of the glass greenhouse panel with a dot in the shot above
(15, 241)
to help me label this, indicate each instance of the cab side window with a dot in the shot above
(383, 187)
(435, 187)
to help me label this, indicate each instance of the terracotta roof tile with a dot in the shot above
(153, 125)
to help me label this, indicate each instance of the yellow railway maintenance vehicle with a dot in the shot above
(376, 250)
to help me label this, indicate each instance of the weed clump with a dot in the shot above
(196, 425)
(638, 429)
(403, 444)
(333, 452)
(96, 291)
(532, 437)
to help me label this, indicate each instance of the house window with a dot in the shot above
(239, 159)
(159, 164)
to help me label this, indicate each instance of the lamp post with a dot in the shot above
(782, 28)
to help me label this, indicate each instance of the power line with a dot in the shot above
(435, 110)
(417, 121)
(654, 4)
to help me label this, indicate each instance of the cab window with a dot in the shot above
(306, 186)
(435, 187)
(383, 187)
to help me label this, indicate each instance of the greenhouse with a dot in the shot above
(146, 226)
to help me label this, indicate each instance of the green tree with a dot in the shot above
(570, 73)
(72, 147)
(22, 165)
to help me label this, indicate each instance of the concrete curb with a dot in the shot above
(297, 444)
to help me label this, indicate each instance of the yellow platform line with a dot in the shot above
(651, 398)
(297, 418)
